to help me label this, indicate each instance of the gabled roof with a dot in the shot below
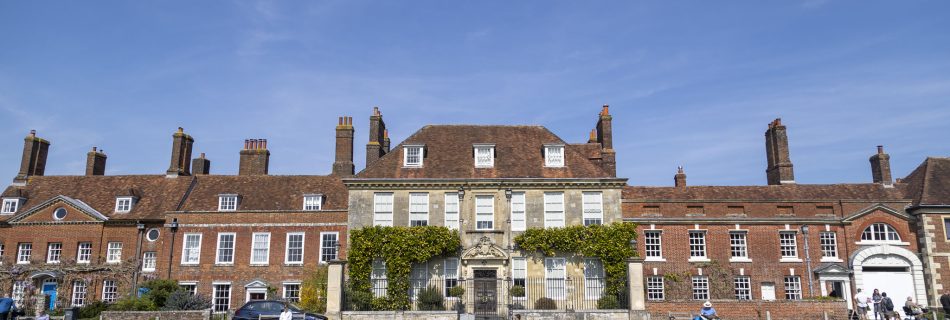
(266, 192)
(864, 191)
(518, 154)
(82, 206)
(929, 183)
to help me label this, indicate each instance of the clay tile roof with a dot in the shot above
(449, 154)
(929, 184)
(266, 192)
(156, 193)
(865, 191)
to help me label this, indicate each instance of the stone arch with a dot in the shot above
(906, 257)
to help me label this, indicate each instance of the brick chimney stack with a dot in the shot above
(181, 154)
(201, 165)
(95, 162)
(378, 141)
(254, 158)
(33, 163)
(343, 165)
(679, 180)
(779, 170)
(881, 167)
(605, 138)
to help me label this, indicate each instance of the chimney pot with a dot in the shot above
(33, 133)
(679, 179)
(880, 149)
(202, 155)
(254, 158)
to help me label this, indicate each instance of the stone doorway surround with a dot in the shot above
(888, 255)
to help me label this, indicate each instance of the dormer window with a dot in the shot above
(124, 204)
(484, 155)
(227, 202)
(312, 202)
(554, 155)
(413, 155)
(10, 205)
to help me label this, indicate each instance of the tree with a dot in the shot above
(159, 290)
(184, 300)
(313, 291)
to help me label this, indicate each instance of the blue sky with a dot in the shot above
(689, 83)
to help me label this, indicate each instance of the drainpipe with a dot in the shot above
(171, 252)
(811, 290)
(138, 261)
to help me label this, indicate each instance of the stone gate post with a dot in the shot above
(335, 289)
(636, 289)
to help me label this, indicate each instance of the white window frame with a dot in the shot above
(828, 241)
(186, 252)
(491, 155)
(284, 293)
(451, 216)
(312, 202)
(519, 271)
(418, 209)
(228, 202)
(381, 216)
(3, 251)
(551, 158)
(594, 279)
(788, 246)
(80, 290)
(555, 287)
(190, 286)
(793, 288)
(303, 242)
(24, 252)
(50, 250)
(405, 156)
(19, 290)
(418, 278)
(124, 204)
(655, 288)
(114, 252)
(554, 218)
(450, 277)
(324, 247)
(653, 245)
(481, 218)
(519, 217)
(217, 252)
(742, 287)
(214, 296)
(593, 210)
(378, 275)
(739, 246)
(700, 287)
(266, 249)
(84, 252)
(698, 250)
(110, 291)
(10, 205)
(871, 234)
(149, 263)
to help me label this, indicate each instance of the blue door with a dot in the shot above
(49, 288)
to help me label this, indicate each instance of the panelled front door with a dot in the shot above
(49, 288)
(486, 293)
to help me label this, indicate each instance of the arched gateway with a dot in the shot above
(891, 269)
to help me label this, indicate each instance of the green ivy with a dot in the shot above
(399, 247)
(610, 243)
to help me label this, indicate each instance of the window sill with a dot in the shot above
(877, 243)
(830, 260)
(259, 264)
(486, 231)
(654, 259)
(698, 260)
(149, 270)
(20, 262)
(740, 260)
(223, 264)
(190, 264)
(293, 264)
(790, 260)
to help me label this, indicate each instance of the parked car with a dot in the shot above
(270, 309)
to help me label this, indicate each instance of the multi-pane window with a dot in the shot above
(260, 248)
(84, 252)
(700, 288)
(191, 250)
(328, 246)
(292, 292)
(225, 254)
(110, 291)
(653, 241)
(53, 252)
(452, 210)
(79, 293)
(554, 156)
(880, 232)
(312, 202)
(383, 209)
(593, 278)
(294, 253)
(114, 252)
(451, 269)
(484, 156)
(412, 156)
(190, 287)
(593, 208)
(554, 277)
(697, 244)
(418, 209)
(554, 209)
(743, 288)
(484, 212)
(19, 289)
(10, 206)
(829, 245)
(418, 279)
(148, 261)
(227, 202)
(787, 245)
(378, 279)
(519, 274)
(738, 245)
(518, 217)
(2, 252)
(655, 288)
(221, 298)
(24, 252)
(123, 204)
(793, 288)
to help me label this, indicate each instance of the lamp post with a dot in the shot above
(811, 291)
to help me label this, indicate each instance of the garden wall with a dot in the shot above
(756, 309)
(401, 315)
(156, 315)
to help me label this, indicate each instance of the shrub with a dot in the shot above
(184, 300)
(545, 304)
(608, 302)
(133, 304)
(457, 292)
(158, 290)
(430, 299)
(92, 310)
(517, 291)
(313, 291)
(359, 300)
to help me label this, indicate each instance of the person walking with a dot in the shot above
(887, 307)
(861, 300)
(876, 299)
(7, 308)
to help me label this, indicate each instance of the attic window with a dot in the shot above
(227, 202)
(124, 204)
(554, 155)
(312, 202)
(484, 155)
(10, 205)
(413, 155)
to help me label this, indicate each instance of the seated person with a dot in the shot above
(707, 312)
(914, 308)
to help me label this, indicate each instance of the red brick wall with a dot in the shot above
(779, 309)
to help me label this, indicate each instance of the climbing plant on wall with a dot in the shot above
(398, 247)
(610, 243)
